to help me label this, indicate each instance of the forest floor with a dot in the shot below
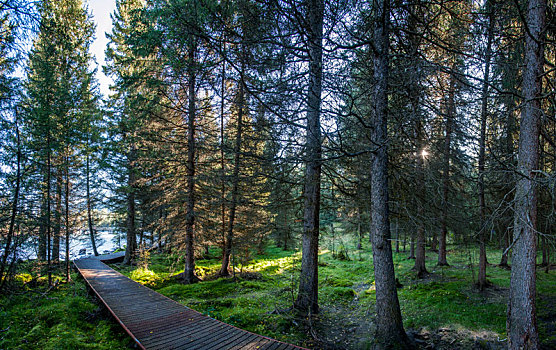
(65, 316)
(443, 311)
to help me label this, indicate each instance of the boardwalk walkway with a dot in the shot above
(157, 322)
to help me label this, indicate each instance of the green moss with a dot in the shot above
(63, 318)
(145, 277)
(337, 293)
(445, 299)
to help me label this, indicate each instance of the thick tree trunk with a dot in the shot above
(131, 239)
(522, 319)
(390, 332)
(307, 297)
(225, 268)
(482, 281)
(89, 208)
(189, 271)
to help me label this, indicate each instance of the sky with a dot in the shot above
(101, 10)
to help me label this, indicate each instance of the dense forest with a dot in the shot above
(400, 139)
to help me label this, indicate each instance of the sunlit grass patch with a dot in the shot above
(145, 276)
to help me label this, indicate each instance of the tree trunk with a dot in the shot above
(420, 266)
(189, 271)
(522, 319)
(482, 281)
(506, 240)
(130, 222)
(359, 229)
(67, 224)
(390, 332)
(89, 207)
(42, 229)
(225, 268)
(57, 218)
(286, 229)
(307, 297)
(544, 248)
(450, 116)
(509, 179)
(48, 214)
(222, 158)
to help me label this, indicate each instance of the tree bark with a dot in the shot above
(420, 266)
(222, 156)
(189, 271)
(130, 221)
(42, 229)
(506, 243)
(225, 268)
(67, 224)
(307, 297)
(390, 332)
(522, 319)
(509, 180)
(482, 281)
(450, 115)
(545, 251)
(359, 229)
(57, 217)
(48, 199)
(89, 207)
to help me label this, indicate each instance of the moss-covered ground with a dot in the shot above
(63, 317)
(445, 308)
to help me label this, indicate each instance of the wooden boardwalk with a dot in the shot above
(157, 322)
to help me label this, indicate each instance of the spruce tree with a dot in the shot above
(58, 81)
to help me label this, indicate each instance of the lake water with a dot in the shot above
(107, 240)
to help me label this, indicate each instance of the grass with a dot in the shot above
(65, 317)
(445, 299)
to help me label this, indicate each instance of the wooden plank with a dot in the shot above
(178, 332)
(234, 337)
(155, 321)
(192, 335)
(209, 340)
